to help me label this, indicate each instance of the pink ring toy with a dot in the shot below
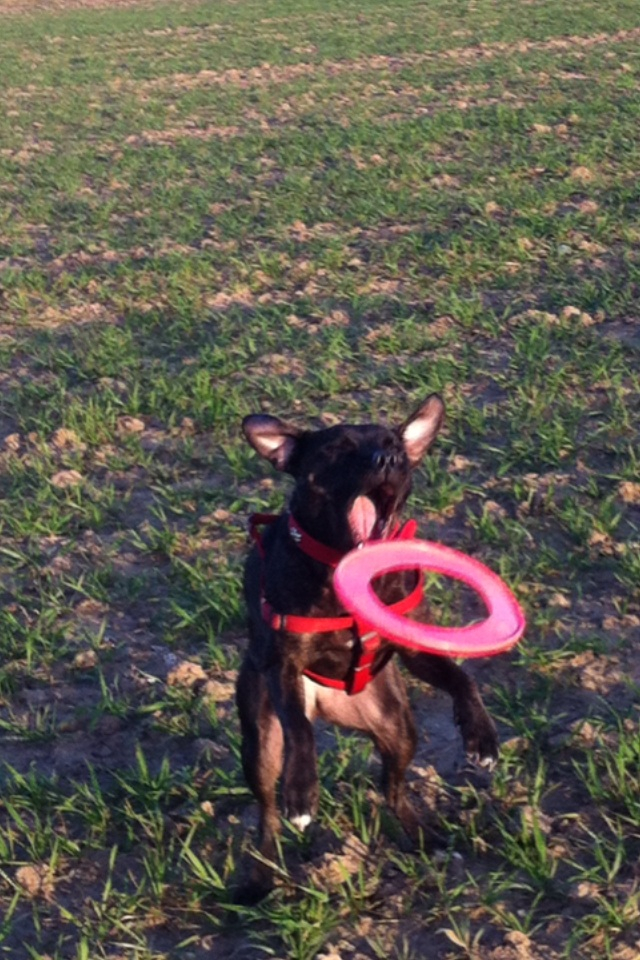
(499, 632)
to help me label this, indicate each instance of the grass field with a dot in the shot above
(325, 210)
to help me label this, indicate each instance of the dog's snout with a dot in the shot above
(384, 460)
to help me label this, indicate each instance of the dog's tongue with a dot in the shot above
(362, 519)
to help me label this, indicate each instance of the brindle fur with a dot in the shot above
(276, 703)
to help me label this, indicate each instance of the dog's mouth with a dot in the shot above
(370, 518)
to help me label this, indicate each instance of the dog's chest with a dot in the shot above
(336, 706)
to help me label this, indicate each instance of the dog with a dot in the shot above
(305, 657)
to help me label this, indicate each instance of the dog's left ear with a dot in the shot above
(420, 430)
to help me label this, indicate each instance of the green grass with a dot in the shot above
(325, 210)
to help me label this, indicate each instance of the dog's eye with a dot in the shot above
(315, 485)
(346, 445)
(341, 449)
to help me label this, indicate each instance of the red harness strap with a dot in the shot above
(362, 672)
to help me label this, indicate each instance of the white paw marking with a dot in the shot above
(301, 822)
(487, 762)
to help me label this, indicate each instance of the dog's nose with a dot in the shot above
(383, 460)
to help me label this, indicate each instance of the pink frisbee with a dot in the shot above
(498, 632)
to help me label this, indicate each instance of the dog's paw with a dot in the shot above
(299, 810)
(301, 821)
(480, 738)
(486, 762)
(249, 893)
(255, 880)
(483, 762)
(411, 830)
(300, 798)
(482, 749)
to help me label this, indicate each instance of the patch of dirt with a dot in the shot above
(192, 131)
(60, 6)
(267, 74)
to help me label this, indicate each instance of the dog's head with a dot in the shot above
(351, 480)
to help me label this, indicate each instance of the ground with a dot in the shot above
(326, 211)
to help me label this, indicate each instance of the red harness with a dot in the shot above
(362, 672)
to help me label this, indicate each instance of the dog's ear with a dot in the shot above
(420, 430)
(272, 438)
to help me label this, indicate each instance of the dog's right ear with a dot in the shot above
(272, 438)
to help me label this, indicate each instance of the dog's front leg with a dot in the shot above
(300, 774)
(478, 729)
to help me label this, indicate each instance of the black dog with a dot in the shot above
(305, 657)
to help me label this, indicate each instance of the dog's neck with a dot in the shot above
(312, 547)
(328, 555)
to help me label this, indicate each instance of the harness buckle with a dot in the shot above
(362, 666)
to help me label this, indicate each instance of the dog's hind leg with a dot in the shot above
(262, 760)
(396, 749)
(392, 729)
(382, 711)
